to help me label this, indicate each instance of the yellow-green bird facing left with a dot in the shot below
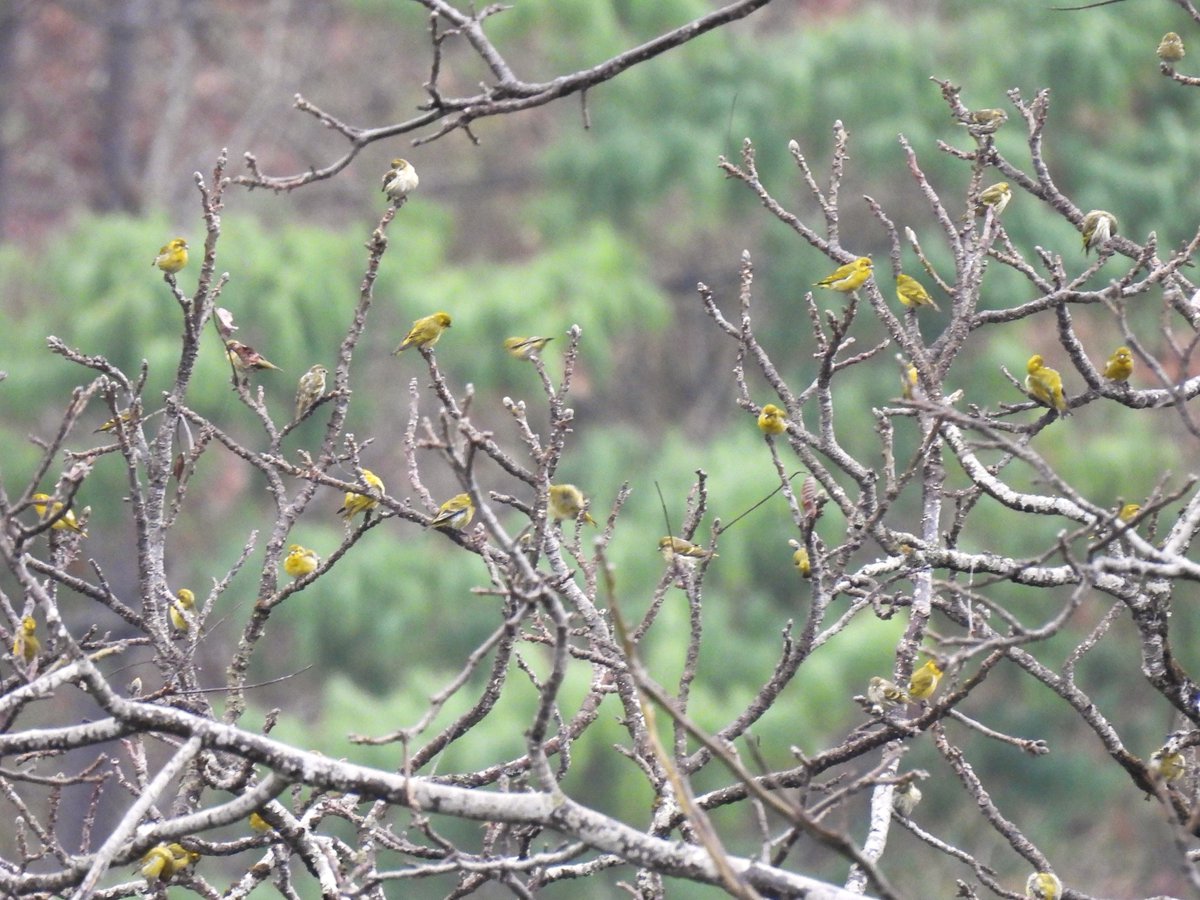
(425, 332)
(456, 513)
(1166, 764)
(1120, 365)
(849, 277)
(1045, 384)
(172, 256)
(800, 558)
(884, 693)
(66, 522)
(245, 358)
(996, 197)
(912, 293)
(400, 180)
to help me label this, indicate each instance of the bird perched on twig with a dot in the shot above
(673, 548)
(356, 503)
(425, 332)
(172, 256)
(925, 680)
(26, 646)
(400, 181)
(912, 293)
(524, 347)
(772, 420)
(884, 693)
(1170, 48)
(849, 277)
(567, 502)
(800, 558)
(1043, 886)
(310, 388)
(300, 561)
(1045, 384)
(996, 197)
(1098, 226)
(245, 358)
(1120, 365)
(456, 513)
(183, 607)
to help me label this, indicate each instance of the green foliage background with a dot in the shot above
(617, 225)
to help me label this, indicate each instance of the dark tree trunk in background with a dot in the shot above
(122, 26)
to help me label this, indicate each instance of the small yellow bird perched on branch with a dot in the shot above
(772, 420)
(164, 862)
(1098, 226)
(912, 293)
(1043, 886)
(1045, 384)
(456, 513)
(567, 502)
(172, 256)
(125, 415)
(849, 277)
(400, 181)
(183, 607)
(356, 503)
(1120, 365)
(310, 388)
(258, 823)
(26, 646)
(924, 681)
(524, 347)
(425, 332)
(800, 558)
(995, 196)
(300, 561)
(67, 522)
(1170, 48)
(686, 552)
(985, 121)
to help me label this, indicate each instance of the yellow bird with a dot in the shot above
(1120, 365)
(524, 347)
(125, 415)
(1166, 764)
(245, 358)
(425, 332)
(912, 293)
(908, 383)
(800, 559)
(67, 522)
(924, 681)
(885, 693)
(686, 552)
(1098, 226)
(456, 513)
(1043, 886)
(26, 646)
(996, 196)
(361, 503)
(400, 180)
(172, 256)
(1129, 511)
(184, 606)
(310, 388)
(1045, 384)
(849, 277)
(1170, 48)
(985, 121)
(567, 502)
(772, 420)
(258, 823)
(300, 561)
(165, 861)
